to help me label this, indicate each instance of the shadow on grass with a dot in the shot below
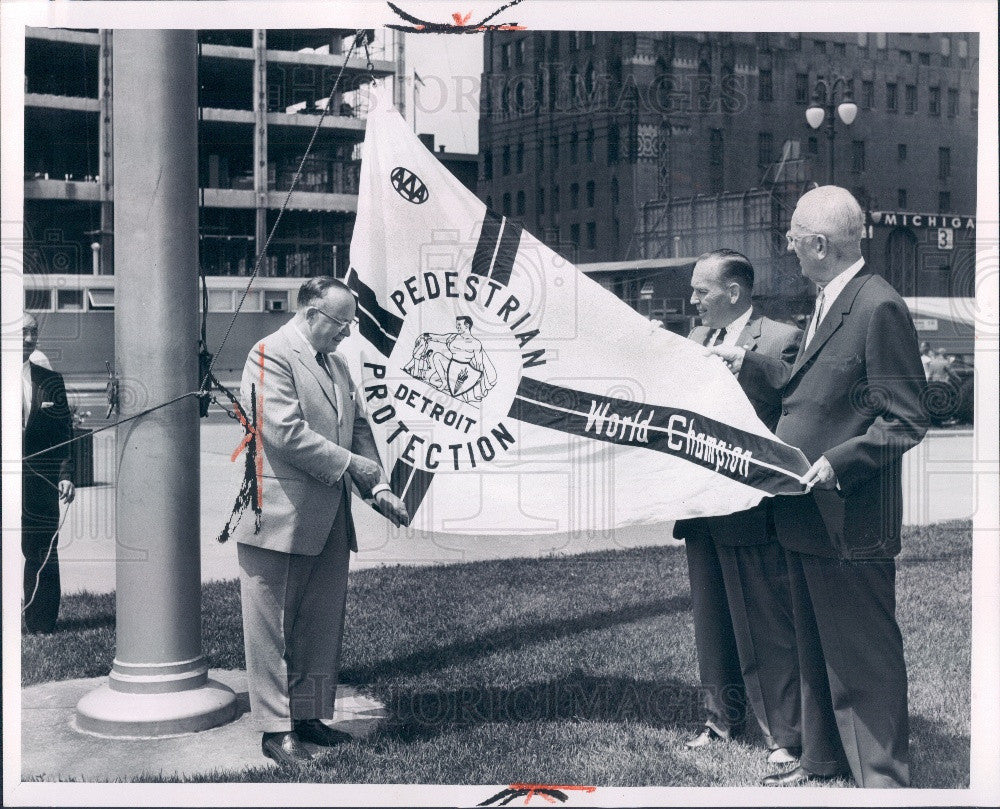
(91, 622)
(508, 639)
(938, 759)
(422, 715)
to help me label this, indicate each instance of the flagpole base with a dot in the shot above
(109, 712)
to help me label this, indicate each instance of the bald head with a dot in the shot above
(826, 231)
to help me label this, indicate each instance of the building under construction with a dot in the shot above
(260, 95)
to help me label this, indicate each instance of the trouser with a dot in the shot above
(745, 638)
(39, 524)
(854, 708)
(293, 623)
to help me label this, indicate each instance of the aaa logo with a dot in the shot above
(408, 185)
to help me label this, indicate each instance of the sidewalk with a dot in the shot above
(939, 484)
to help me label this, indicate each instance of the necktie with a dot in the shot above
(817, 317)
(321, 361)
(715, 340)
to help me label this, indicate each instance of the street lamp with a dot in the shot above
(817, 112)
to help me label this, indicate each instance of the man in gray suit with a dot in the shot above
(739, 583)
(316, 442)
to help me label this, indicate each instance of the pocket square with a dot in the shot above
(47, 404)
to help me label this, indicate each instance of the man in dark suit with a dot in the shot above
(45, 480)
(852, 404)
(739, 585)
(316, 442)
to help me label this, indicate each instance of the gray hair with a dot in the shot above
(833, 212)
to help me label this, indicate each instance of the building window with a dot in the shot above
(613, 144)
(891, 96)
(911, 99)
(574, 148)
(974, 103)
(505, 56)
(505, 161)
(840, 48)
(591, 235)
(489, 202)
(801, 88)
(765, 86)
(540, 155)
(901, 199)
(880, 41)
(925, 59)
(716, 159)
(590, 145)
(819, 46)
(944, 202)
(555, 199)
(520, 203)
(574, 196)
(487, 164)
(614, 192)
(868, 95)
(857, 156)
(812, 145)
(38, 300)
(765, 147)
(862, 40)
(952, 102)
(519, 52)
(906, 57)
(519, 158)
(69, 300)
(934, 101)
(540, 201)
(574, 234)
(506, 205)
(944, 163)
(963, 52)
(901, 151)
(555, 151)
(591, 195)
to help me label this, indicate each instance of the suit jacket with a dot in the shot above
(855, 395)
(49, 423)
(780, 342)
(310, 426)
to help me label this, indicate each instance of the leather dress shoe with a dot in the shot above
(703, 739)
(285, 748)
(794, 778)
(783, 755)
(312, 730)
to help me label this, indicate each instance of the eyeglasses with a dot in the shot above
(342, 324)
(793, 239)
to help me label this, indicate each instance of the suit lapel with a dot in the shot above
(36, 395)
(307, 357)
(751, 332)
(832, 321)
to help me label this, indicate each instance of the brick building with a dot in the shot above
(580, 130)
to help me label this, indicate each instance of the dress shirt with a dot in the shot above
(832, 289)
(735, 329)
(25, 391)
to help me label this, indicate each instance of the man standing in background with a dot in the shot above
(739, 584)
(46, 479)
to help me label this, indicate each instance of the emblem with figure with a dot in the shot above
(454, 363)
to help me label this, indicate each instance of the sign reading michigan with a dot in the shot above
(511, 394)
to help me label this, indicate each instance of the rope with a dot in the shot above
(45, 561)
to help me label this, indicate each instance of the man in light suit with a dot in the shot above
(739, 585)
(293, 572)
(46, 480)
(852, 403)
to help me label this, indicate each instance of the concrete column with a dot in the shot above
(159, 680)
(260, 184)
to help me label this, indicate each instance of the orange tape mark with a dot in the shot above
(537, 789)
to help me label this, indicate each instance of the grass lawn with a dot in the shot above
(566, 670)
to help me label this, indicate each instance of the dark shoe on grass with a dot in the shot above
(284, 748)
(784, 755)
(312, 730)
(703, 739)
(796, 777)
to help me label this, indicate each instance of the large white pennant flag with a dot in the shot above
(509, 393)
